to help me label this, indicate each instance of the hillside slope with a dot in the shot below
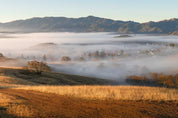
(21, 77)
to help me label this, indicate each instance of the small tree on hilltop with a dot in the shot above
(37, 67)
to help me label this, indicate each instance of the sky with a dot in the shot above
(126, 10)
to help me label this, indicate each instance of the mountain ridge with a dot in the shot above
(88, 24)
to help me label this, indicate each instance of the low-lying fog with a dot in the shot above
(95, 54)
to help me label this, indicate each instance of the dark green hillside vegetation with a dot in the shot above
(88, 24)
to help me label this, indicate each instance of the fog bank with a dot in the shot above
(95, 54)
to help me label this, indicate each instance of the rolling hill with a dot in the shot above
(49, 78)
(49, 95)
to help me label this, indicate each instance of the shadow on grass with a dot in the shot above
(52, 78)
(4, 114)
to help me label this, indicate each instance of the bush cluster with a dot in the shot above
(37, 67)
(155, 79)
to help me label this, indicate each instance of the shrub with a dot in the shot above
(65, 58)
(37, 67)
(1, 55)
(172, 45)
(155, 79)
(82, 59)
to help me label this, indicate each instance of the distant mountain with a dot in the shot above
(88, 24)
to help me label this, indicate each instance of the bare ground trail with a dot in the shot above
(50, 105)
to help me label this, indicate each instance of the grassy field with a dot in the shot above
(24, 95)
(109, 92)
(92, 101)
(11, 107)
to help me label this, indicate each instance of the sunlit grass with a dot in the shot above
(109, 92)
(13, 106)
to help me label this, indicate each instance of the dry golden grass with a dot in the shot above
(7, 67)
(9, 104)
(7, 81)
(15, 102)
(19, 110)
(4, 99)
(109, 92)
(44, 105)
(13, 106)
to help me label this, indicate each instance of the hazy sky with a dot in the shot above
(135, 10)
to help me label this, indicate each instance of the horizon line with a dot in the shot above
(23, 19)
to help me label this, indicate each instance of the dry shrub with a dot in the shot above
(37, 67)
(154, 79)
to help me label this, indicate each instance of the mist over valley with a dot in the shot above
(98, 55)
